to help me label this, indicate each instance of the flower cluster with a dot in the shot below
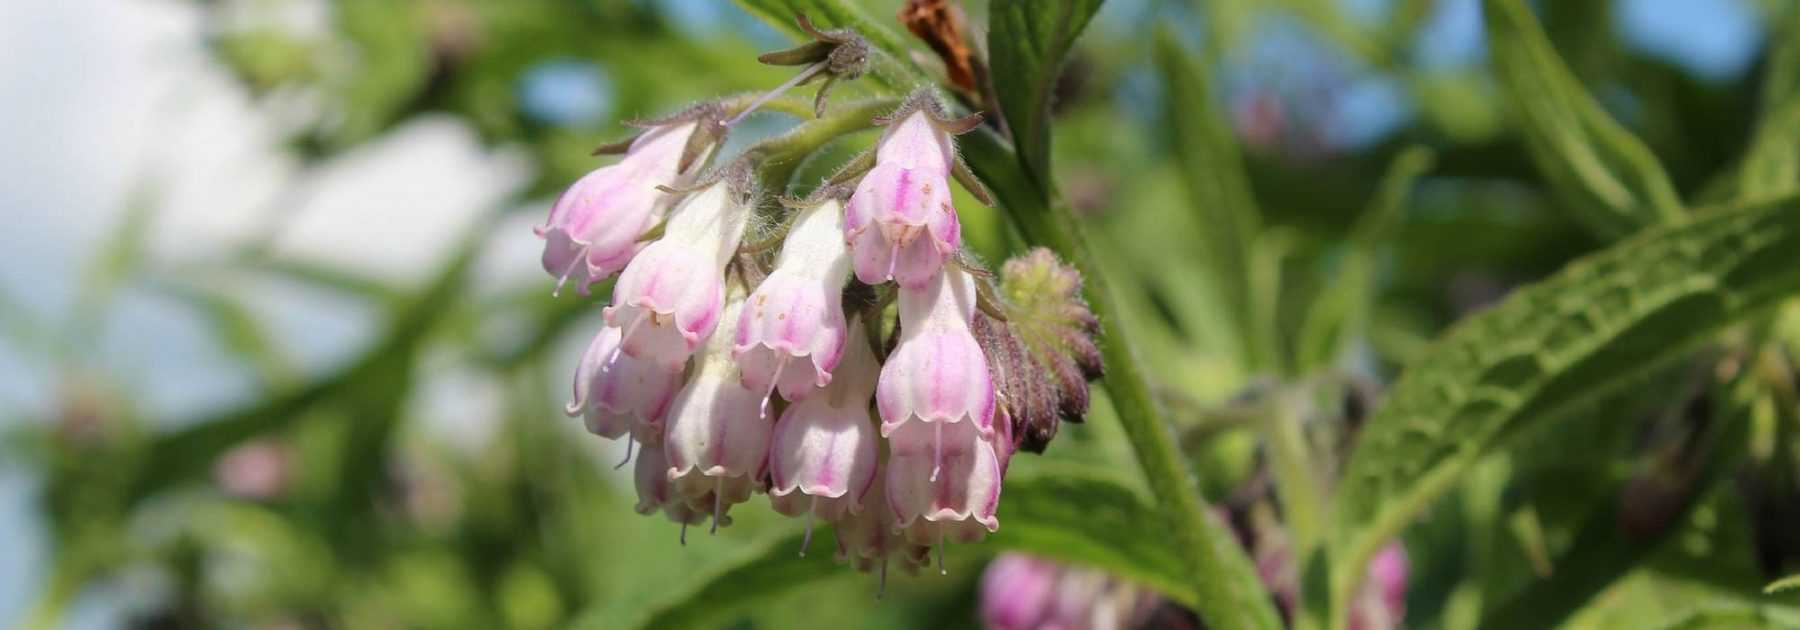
(842, 376)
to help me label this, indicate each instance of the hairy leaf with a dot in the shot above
(1553, 346)
(1602, 171)
(1028, 42)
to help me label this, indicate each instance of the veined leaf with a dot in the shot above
(893, 70)
(1551, 347)
(1602, 171)
(1028, 42)
(1219, 190)
(1783, 584)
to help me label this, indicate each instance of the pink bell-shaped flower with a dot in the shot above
(943, 482)
(617, 394)
(865, 539)
(669, 297)
(823, 457)
(716, 438)
(656, 492)
(901, 222)
(937, 374)
(793, 324)
(595, 226)
(1018, 591)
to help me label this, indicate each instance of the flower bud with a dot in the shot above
(669, 297)
(595, 226)
(1381, 602)
(823, 457)
(716, 439)
(901, 222)
(616, 394)
(937, 373)
(792, 328)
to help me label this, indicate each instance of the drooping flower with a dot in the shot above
(823, 457)
(866, 539)
(792, 328)
(669, 298)
(656, 492)
(596, 225)
(901, 223)
(943, 482)
(937, 374)
(618, 394)
(716, 439)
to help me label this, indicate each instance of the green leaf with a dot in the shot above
(1071, 515)
(1783, 584)
(893, 70)
(1094, 520)
(1600, 554)
(1551, 347)
(1219, 191)
(1602, 171)
(1772, 163)
(189, 452)
(1342, 309)
(1027, 44)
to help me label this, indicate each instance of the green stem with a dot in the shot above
(1225, 584)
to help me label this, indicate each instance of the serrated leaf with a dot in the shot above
(1603, 172)
(894, 69)
(1027, 44)
(1551, 347)
(1219, 191)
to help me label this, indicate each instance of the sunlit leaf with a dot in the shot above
(1028, 43)
(1551, 347)
(1603, 172)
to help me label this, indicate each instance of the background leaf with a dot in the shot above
(1604, 173)
(1552, 346)
(1027, 43)
(1219, 193)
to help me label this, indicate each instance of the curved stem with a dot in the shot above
(1228, 592)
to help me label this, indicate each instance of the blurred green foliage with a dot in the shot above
(1612, 446)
